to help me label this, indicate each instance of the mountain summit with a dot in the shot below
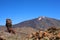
(40, 22)
(42, 17)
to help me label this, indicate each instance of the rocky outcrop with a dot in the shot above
(49, 34)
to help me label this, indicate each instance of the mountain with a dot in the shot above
(40, 22)
(24, 29)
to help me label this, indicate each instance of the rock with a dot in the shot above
(2, 38)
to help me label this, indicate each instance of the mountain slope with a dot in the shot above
(40, 22)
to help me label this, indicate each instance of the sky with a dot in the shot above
(22, 10)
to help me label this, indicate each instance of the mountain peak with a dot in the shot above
(41, 17)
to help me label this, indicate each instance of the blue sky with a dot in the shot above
(21, 10)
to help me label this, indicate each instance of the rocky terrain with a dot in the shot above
(49, 34)
(21, 33)
(28, 33)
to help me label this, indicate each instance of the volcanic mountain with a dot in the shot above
(25, 28)
(40, 22)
